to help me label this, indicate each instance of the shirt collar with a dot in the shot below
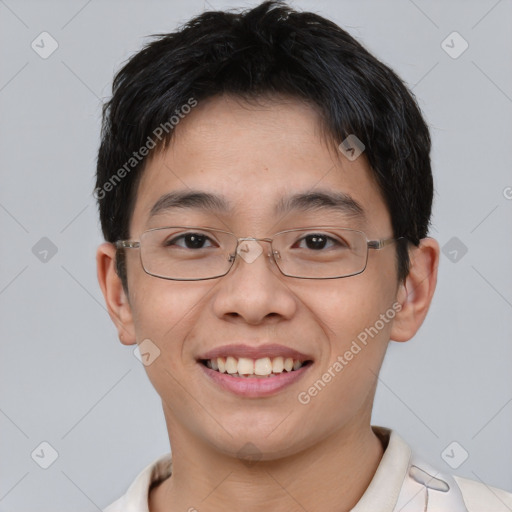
(382, 493)
(384, 489)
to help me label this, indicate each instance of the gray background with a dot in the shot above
(65, 378)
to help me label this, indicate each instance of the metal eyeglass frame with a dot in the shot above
(370, 244)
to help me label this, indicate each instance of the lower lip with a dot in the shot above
(255, 387)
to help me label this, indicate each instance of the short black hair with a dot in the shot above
(269, 50)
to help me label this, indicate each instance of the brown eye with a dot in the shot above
(189, 241)
(319, 241)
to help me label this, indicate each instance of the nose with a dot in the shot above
(254, 290)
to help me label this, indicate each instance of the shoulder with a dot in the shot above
(480, 497)
(117, 506)
(136, 497)
(418, 484)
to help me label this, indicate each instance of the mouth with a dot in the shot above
(261, 368)
(254, 371)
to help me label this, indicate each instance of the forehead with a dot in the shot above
(259, 160)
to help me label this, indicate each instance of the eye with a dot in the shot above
(189, 241)
(319, 241)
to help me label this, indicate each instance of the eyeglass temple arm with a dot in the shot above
(379, 244)
(126, 244)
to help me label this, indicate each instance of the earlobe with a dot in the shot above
(118, 305)
(416, 292)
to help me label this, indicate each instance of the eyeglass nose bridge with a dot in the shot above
(250, 255)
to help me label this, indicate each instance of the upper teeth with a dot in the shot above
(247, 366)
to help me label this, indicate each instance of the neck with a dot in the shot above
(332, 475)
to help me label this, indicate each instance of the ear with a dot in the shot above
(416, 292)
(118, 305)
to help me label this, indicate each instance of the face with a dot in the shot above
(255, 158)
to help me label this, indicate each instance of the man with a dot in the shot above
(265, 191)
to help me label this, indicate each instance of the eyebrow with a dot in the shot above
(319, 200)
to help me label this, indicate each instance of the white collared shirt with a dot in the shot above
(402, 483)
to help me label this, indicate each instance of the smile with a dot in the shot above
(253, 385)
(245, 367)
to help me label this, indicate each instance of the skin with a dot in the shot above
(319, 456)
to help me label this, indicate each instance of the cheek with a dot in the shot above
(165, 310)
(356, 342)
(356, 318)
(346, 308)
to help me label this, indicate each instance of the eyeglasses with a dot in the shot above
(186, 253)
